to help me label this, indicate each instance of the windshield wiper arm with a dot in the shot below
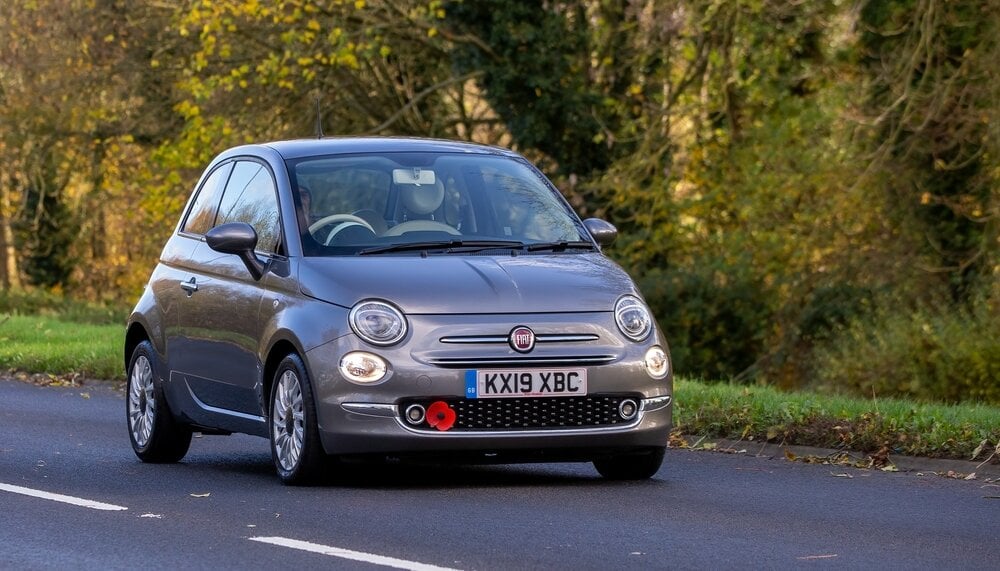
(560, 246)
(448, 245)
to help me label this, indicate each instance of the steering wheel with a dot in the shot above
(342, 221)
(420, 225)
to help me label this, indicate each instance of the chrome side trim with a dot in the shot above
(370, 409)
(503, 339)
(225, 411)
(655, 403)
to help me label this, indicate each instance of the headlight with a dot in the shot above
(633, 318)
(378, 322)
(361, 367)
(657, 364)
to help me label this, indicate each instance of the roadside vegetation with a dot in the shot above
(60, 339)
(874, 426)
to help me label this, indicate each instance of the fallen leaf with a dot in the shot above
(789, 455)
(709, 446)
(842, 475)
(85, 395)
(971, 476)
(205, 495)
(979, 449)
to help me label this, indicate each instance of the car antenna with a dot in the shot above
(319, 119)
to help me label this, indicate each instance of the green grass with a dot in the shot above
(864, 425)
(42, 344)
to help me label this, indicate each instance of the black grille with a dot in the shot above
(530, 413)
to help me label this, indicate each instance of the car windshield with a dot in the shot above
(429, 202)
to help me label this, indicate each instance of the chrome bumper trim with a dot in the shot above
(370, 409)
(655, 403)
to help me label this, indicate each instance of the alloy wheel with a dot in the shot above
(141, 401)
(288, 420)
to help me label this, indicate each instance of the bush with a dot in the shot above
(713, 318)
(936, 353)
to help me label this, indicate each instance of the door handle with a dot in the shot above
(189, 286)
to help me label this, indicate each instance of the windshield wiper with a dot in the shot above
(560, 246)
(446, 245)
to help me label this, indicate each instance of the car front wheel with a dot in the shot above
(632, 466)
(156, 437)
(295, 447)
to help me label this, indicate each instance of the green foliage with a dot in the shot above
(534, 66)
(42, 303)
(49, 345)
(711, 316)
(934, 353)
(811, 419)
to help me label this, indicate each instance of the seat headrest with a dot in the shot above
(422, 199)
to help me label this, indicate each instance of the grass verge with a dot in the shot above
(872, 426)
(40, 344)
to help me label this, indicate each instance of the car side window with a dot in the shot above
(251, 197)
(201, 217)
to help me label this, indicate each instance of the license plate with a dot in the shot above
(510, 383)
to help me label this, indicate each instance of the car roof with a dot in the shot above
(299, 148)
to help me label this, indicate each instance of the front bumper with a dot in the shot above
(369, 419)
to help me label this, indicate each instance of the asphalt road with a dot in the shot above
(223, 508)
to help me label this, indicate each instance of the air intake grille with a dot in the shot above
(547, 413)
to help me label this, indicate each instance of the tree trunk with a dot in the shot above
(10, 277)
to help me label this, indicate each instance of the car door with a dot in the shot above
(216, 355)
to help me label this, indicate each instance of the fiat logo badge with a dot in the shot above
(522, 339)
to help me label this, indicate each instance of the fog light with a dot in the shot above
(628, 409)
(361, 367)
(415, 414)
(657, 364)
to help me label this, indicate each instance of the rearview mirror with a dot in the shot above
(240, 239)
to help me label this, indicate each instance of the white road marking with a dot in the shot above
(348, 554)
(61, 498)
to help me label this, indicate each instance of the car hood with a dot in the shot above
(470, 284)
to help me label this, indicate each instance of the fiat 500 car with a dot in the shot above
(353, 299)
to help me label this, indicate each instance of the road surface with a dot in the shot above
(223, 508)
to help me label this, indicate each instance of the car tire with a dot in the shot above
(296, 450)
(631, 466)
(156, 436)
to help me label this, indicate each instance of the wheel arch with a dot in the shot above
(134, 335)
(281, 348)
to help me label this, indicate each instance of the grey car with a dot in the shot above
(356, 299)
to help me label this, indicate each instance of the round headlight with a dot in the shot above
(361, 367)
(378, 322)
(633, 318)
(657, 364)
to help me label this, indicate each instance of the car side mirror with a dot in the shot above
(604, 232)
(240, 239)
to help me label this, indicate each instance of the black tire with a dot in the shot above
(155, 435)
(631, 466)
(305, 466)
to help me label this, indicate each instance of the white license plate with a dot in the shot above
(509, 383)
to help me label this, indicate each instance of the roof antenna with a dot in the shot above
(319, 119)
